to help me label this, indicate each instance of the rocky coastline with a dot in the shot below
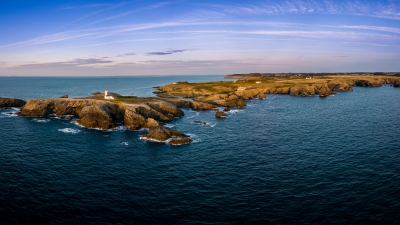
(151, 113)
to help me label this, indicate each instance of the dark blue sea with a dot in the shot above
(282, 160)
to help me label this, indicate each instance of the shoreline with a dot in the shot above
(153, 112)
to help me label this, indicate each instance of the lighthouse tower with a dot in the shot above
(106, 96)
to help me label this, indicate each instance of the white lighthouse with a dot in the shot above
(106, 96)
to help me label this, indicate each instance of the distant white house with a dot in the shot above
(309, 78)
(107, 96)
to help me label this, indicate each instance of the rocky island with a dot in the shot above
(107, 110)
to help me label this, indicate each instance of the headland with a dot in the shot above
(107, 110)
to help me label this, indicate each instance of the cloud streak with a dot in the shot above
(78, 62)
(383, 9)
(85, 6)
(169, 52)
(127, 54)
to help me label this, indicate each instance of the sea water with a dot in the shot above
(285, 159)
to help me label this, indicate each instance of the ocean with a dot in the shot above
(282, 160)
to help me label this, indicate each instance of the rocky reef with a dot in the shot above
(136, 113)
(106, 115)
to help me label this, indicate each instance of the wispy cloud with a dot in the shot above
(127, 54)
(85, 6)
(154, 6)
(75, 62)
(383, 9)
(169, 52)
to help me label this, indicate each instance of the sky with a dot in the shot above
(190, 37)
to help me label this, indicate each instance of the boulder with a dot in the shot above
(134, 121)
(11, 102)
(167, 109)
(226, 109)
(396, 83)
(261, 96)
(220, 114)
(148, 112)
(162, 134)
(96, 116)
(180, 141)
(195, 105)
(151, 123)
(64, 96)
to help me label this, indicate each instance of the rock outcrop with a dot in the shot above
(64, 96)
(103, 114)
(57, 106)
(396, 83)
(376, 82)
(96, 116)
(180, 141)
(133, 120)
(163, 134)
(11, 102)
(339, 85)
(220, 114)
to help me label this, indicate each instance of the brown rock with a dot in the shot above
(133, 121)
(226, 109)
(96, 116)
(64, 96)
(369, 83)
(195, 105)
(148, 112)
(302, 90)
(180, 141)
(162, 134)
(167, 109)
(396, 83)
(11, 102)
(220, 114)
(151, 123)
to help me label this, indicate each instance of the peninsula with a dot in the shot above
(108, 110)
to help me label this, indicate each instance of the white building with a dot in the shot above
(107, 96)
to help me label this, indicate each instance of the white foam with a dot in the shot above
(124, 143)
(9, 114)
(169, 125)
(150, 139)
(120, 128)
(41, 120)
(196, 115)
(194, 137)
(69, 130)
(235, 111)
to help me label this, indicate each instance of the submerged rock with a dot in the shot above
(64, 96)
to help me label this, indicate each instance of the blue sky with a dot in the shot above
(144, 37)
